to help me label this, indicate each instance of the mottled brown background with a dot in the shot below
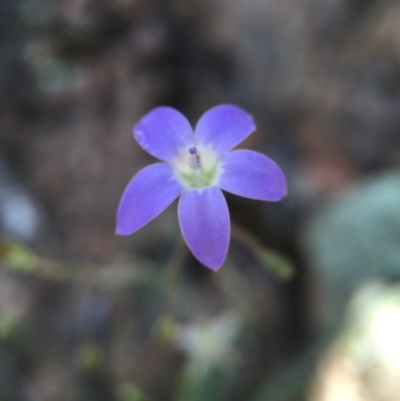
(322, 79)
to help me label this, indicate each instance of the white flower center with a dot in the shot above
(194, 158)
(197, 167)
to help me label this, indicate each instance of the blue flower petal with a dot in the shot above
(150, 192)
(204, 219)
(252, 175)
(223, 127)
(162, 132)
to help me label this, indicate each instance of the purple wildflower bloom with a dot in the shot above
(196, 166)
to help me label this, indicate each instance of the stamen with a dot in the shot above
(194, 158)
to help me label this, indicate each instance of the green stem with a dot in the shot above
(272, 260)
(174, 268)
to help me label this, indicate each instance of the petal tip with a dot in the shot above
(224, 126)
(252, 121)
(204, 222)
(162, 131)
(213, 265)
(215, 268)
(118, 231)
(146, 196)
(284, 192)
(281, 195)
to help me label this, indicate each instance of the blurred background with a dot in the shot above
(307, 305)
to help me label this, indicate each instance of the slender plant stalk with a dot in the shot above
(272, 260)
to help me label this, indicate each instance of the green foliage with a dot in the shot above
(355, 239)
(276, 263)
(172, 304)
(90, 357)
(127, 391)
(269, 259)
(17, 257)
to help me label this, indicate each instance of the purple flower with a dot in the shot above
(196, 166)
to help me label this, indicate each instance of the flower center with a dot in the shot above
(197, 167)
(194, 158)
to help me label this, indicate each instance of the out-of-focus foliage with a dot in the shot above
(16, 256)
(271, 260)
(87, 315)
(355, 239)
(112, 327)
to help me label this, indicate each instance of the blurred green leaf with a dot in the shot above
(212, 384)
(17, 256)
(275, 263)
(9, 324)
(90, 357)
(166, 328)
(127, 391)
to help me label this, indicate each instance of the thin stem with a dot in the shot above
(174, 267)
(275, 262)
(166, 326)
(246, 238)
